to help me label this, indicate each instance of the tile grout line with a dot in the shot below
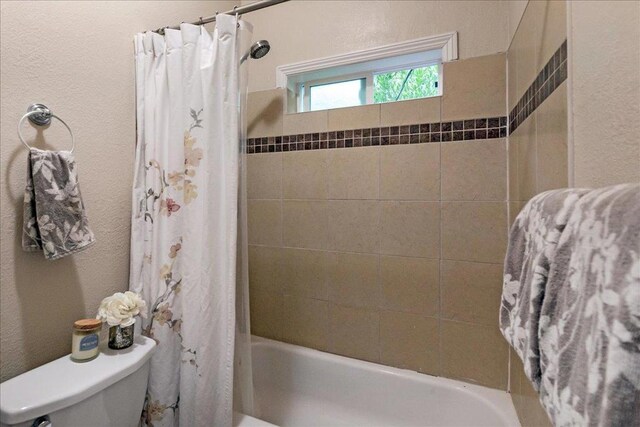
(325, 254)
(282, 326)
(508, 192)
(264, 245)
(382, 201)
(440, 358)
(388, 201)
(379, 256)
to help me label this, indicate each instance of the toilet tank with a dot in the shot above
(107, 391)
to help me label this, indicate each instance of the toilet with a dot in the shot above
(108, 391)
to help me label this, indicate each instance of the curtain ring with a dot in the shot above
(237, 16)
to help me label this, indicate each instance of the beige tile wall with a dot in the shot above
(388, 254)
(538, 147)
(537, 157)
(525, 398)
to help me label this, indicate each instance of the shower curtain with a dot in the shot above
(188, 240)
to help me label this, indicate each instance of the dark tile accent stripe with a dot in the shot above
(549, 78)
(461, 130)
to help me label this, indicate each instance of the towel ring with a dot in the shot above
(40, 115)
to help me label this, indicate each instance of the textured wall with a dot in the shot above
(303, 30)
(604, 53)
(389, 253)
(77, 58)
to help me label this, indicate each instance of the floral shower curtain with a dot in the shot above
(188, 230)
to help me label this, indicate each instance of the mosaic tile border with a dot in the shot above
(550, 77)
(459, 130)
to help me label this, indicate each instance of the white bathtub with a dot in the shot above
(297, 386)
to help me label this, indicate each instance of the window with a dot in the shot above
(405, 70)
(371, 87)
(347, 93)
(413, 83)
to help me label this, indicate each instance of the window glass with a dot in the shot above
(406, 84)
(336, 95)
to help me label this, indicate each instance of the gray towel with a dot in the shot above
(55, 220)
(571, 303)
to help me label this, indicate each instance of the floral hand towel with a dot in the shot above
(55, 220)
(571, 303)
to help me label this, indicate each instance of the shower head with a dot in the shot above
(260, 49)
(257, 51)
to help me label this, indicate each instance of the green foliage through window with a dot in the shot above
(405, 84)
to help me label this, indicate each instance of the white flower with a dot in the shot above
(121, 308)
(136, 303)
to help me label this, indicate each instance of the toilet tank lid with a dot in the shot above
(63, 382)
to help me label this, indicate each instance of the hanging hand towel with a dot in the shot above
(54, 217)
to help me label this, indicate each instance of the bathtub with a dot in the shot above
(297, 386)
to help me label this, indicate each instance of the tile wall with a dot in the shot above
(390, 249)
(386, 253)
(537, 143)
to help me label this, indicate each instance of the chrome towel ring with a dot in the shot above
(40, 115)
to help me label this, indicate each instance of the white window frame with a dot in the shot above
(290, 76)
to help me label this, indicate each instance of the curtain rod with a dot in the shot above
(239, 10)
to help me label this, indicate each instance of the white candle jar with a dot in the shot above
(86, 337)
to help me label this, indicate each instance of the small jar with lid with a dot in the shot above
(86, 337)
